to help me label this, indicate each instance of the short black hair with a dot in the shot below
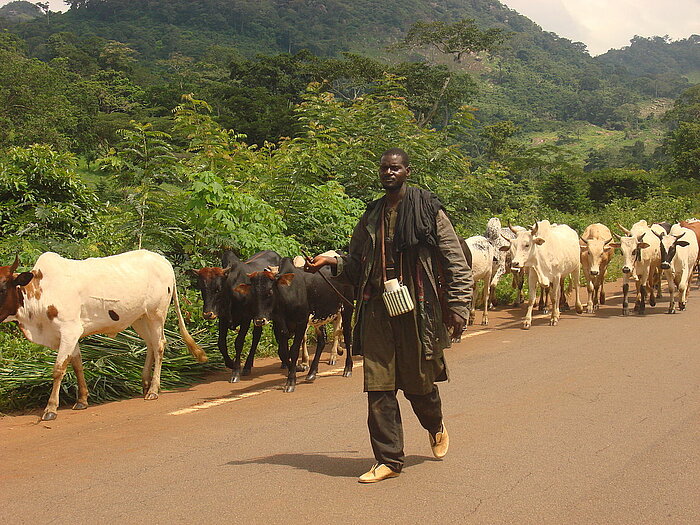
(398, 152)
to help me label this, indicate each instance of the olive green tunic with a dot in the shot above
(405, 352)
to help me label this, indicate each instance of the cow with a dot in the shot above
(551, 252)
(596, 252)
(232, 309)
(679, 253)
(694, 225)
(61, 300)
(481, 257)
(641, 258)
(335, 320)
(499, 237)
(287, 299)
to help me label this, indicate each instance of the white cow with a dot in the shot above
(62, 300)
(679, 252)
(551, 251)
(641, 259)
(499, 237)
(596, 252)
(481, 256)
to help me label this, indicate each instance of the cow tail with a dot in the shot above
(192, 346)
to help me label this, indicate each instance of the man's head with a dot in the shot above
(394, 169)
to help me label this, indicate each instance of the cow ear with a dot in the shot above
(193, 273)
(23, 279)
(583, 248)
(285, 279)
(243, 289)
(682, 243)
(538, 240)
(504, 248)
(643, 244)
(613, 245)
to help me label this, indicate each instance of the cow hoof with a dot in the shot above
(579, 309)
(49, 416)
(311, 377)
(283, 366)
(332, 361)
(347, 373)
(553, 322)
(671, 311)
(485, 322)
(681, 306)
(151, 396)
(470, 322)
(526, 326)
(545, 310)
(288, 388)
(235, 378)
(246, 372)
(652, 301)
(302, 368)
(80, 406)
(340, 351)
(589, 309)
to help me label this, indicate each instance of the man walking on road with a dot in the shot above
(402, 331)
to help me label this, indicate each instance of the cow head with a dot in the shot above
(668, 245)
(10, 297)
(264, 289)
(594, 252)
(211, 282)
(524, 247)
(631, 248)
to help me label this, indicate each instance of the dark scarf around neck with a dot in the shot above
(416, 220)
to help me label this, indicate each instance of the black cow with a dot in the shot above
(288, 298)
(233, 309)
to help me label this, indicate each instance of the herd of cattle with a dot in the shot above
(61, 300)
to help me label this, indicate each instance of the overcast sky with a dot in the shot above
(608, 24)
(600, 24)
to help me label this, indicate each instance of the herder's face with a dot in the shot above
(392, 172)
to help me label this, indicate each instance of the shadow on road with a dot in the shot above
(328, 465)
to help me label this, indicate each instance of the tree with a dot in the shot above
(41, 195)
(456, 39)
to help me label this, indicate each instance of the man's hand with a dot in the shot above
(457, 323)
(318, 262)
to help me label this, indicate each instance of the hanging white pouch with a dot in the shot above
(397, 298)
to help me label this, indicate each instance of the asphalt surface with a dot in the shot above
(595, 420)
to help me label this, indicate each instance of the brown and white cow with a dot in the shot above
(679, 253)
(61, 300)
(596, 252)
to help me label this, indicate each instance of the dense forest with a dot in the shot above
(186, 127)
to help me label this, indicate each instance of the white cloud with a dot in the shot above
(606, 24)
(54, 5)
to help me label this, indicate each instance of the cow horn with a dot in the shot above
(14, 264)
(608, 241)
(627, 232)
(679, 236)
(586, 240)
(535, 227)
(616, 235)
(510, 226)
(659, 235)
(506, 238)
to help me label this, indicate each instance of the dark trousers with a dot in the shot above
(384, 422)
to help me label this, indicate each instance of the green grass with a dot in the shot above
(584, 137)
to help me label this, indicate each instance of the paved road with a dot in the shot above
(596, 420)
